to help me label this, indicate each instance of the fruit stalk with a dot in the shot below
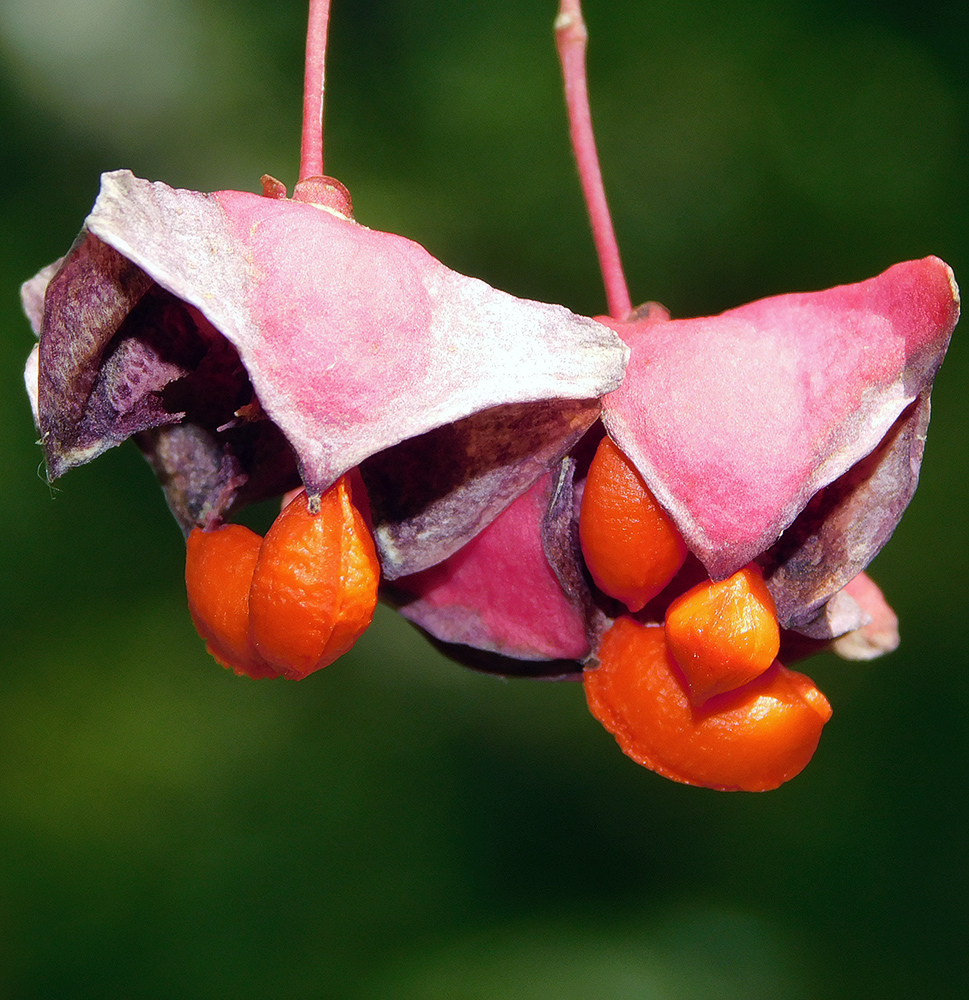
(570, 40)
(311, 146)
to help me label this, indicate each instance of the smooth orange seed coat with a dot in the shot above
(314, 587)
(630, 545)
(218, 572)
(723, 634)
(751, 739)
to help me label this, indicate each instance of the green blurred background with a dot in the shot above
(397, 826)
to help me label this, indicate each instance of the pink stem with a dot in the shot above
(570, 40)
(311, 146)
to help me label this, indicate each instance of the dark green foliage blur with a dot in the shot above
(395, 826)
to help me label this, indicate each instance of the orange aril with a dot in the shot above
(723, 634)
(630, 545)
(314, 586)
(218, 572)
(753, 738)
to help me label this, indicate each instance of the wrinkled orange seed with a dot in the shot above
(218, 573)
(751, 739)
(314, 586)
(723, 634)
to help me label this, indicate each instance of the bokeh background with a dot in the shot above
(397, 826)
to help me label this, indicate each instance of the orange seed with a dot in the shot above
(630, 545)
(314, 587)
(723, 634)
(751, 739)
(218, 573)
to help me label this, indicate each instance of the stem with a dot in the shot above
(311, 146)
(570, 40)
